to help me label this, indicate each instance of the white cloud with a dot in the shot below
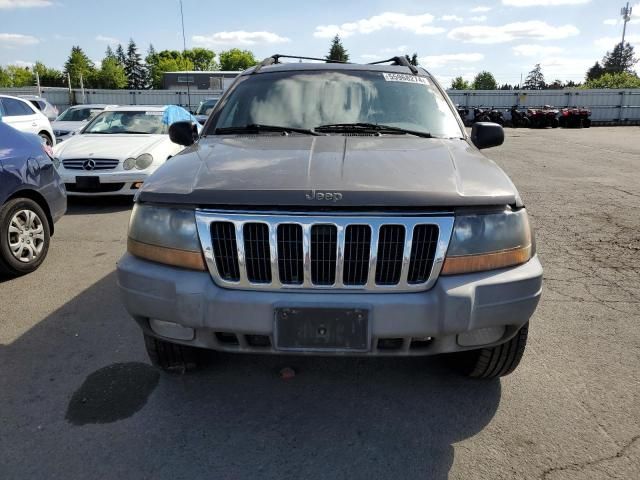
(535, 50)
(10, 40)
(418, 24)
(611, 21)
(480, 9)
(530, 30)
(239, 37)
(23, 64)
(565, 68)
(479, 18)
(109, 40)
(607, 43)
(542, 3)
(435, 61)
(7, 4)
(401, 49)
(451, 18)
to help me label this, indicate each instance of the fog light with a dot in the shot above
(480, 336)
(136, 185)
(171, 330)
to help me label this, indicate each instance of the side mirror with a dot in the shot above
(183, 133)
(487, 134)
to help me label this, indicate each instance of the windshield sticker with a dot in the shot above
(402, 77)
(158, 114)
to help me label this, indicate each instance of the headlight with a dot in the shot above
(165, 235)
(489, 241)
(129, 163)
(56, 162)
(143, 161)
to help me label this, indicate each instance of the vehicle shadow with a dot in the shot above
(93, 205)
(80, 400)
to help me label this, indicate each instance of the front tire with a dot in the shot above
(46, 138)
(495, 361)
(24, 236)
(172, 357)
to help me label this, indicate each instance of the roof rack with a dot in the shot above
(274, 59)
(399, 60)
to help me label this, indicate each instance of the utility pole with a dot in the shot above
(184, 48)
(82, 89)
(38, 83)
(626, 16)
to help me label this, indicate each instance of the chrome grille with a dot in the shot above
(98, 164)
(317, 251)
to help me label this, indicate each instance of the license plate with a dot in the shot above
(88, 183)
(322, 329)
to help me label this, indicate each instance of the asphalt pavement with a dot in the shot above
(79, 400)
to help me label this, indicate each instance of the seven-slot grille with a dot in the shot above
(90, 164)
(254, 251)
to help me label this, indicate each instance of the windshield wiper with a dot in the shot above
(257, 127)
(376, 127)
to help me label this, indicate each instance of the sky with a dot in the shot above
(452, 38)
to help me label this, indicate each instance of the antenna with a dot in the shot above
(626, 16)
(184, 48)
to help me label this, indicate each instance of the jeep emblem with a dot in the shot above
(324, 196)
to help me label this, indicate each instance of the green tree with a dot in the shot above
(556, 85)
(120, 55)
(236, 59)
(134, 68)
(484, 81)
(79, 64)
(535, 79)
(151, 61)
(49, 77)
(614, 80)
(506, 86)
(5, 78)
(202, 58)
(168, 64)
(595, 72)
(621, 59)
(111, 74)
(337, 52)
(460, 83)
(109, 53)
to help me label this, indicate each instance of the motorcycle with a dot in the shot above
(463, 112)
(575, 118)
(519, 118)
(480, 115)
(496, 116)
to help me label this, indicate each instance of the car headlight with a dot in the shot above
(129, 163)
(489, 241)
(165, 235)
(143, 161)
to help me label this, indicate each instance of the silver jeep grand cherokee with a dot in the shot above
(333, 209)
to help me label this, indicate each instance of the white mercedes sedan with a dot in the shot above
(118, 149)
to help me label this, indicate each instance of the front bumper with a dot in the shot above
(455, 305)
(111, 183)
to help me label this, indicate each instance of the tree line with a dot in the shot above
(615, 71)
(125, 68)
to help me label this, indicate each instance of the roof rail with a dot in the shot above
(399, 60)
(274, 59)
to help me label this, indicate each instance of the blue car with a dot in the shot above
(32, 199)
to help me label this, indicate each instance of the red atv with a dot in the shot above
(575, 118)
(546, 116)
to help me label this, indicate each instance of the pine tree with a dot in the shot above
(595, 72)
(134, 68)
(535, 79)
(108, 54)
(77, 65)
(337, 52)
(122, 58)
(151, 61)
(621, 59)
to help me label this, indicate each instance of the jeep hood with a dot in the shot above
(384, 171)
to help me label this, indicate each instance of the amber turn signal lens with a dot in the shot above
(168, 256)
(486, 261)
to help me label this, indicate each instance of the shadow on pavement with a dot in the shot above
(337, 418)
(94, 205)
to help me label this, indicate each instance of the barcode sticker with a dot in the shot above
(402, 77)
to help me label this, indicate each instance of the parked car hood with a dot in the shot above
(67, 126)
(386, 171)
(120, 146)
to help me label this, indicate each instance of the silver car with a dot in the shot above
(49, 110)
(333, 209)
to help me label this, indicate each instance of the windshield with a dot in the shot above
(78, 114)
(127, 122)
(309, 99)
(206, 107)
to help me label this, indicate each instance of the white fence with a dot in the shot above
(607, 105)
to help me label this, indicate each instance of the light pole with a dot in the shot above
(626, 16)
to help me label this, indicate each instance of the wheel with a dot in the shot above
(172, 357)
(526, 123)
(562, 122)
(495, 361)
(586, 123)
(46, 138)
(555, 123)
(24, 236)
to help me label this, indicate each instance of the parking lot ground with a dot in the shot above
(79, 400)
